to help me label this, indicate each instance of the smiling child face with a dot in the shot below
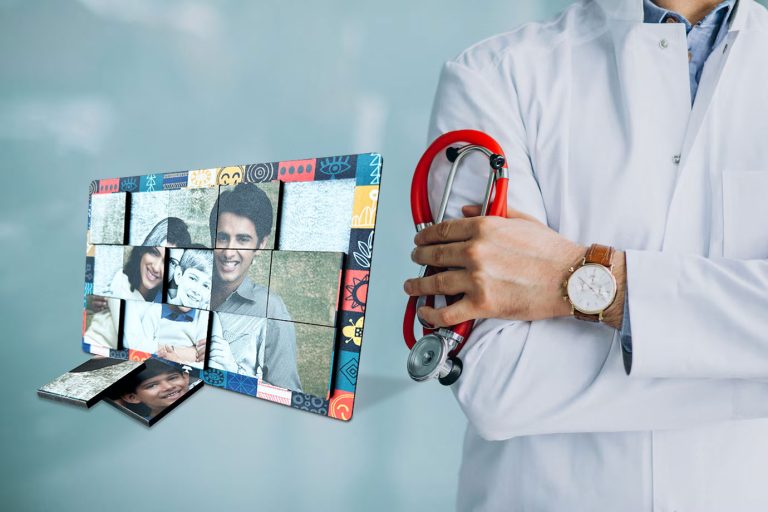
(193, 288)
(160, 391)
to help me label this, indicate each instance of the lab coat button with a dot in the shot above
(676, 159)
(663, 43)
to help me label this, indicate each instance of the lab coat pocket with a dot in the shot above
(745, 214)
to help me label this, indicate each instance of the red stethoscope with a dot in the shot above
(435, 355)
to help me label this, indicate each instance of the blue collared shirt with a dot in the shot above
(703, 37)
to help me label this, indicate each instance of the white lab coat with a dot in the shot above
(593, 111)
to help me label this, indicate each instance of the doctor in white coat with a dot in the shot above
(609, 141)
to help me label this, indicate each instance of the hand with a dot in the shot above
(98, 303)
(221, 356)
(505, 268)
(177, 354)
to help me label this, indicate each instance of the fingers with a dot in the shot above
(449, 315)
(471, 210)
(450, 282)
(456, 230)
(443, 255)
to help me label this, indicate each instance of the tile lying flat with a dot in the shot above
(86, 384)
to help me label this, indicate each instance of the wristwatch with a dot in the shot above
(591, 287)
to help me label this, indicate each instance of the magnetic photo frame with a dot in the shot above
(325, 205)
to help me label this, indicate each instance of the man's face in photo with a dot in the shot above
(160, 391)
(236, 238)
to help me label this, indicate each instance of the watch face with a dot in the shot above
(591, 288)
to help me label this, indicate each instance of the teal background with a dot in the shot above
(107, 88)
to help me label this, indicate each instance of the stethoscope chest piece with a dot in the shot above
(429, 359)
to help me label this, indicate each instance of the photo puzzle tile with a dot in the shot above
(188, 278)
(129, 273)
(196, 210)
(148, 223)
(153, 392)
(245, 272)
(313, 356)
(108, 221)
(247, 215)
(315, 216)
(174, 333)
(304, 286)
(102, 321)
(238, 344)
(87, 383)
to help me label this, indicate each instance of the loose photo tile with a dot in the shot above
(247, 216)
(174, 333)
(152, 393)
(108, 218)
(129, 273)
(196, 209)
(315, 215)
(102, 321)
(304, 286)
(240, 282)
(188, 281)
(86, 384)
(311, 352)
(149, 217)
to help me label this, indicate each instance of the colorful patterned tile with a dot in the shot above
(314, 216)
(273, 393)
(89, 265)
(341, 405)
(202, 178)
(369, 169)
(352, 325)
(242, 384)
(259, 173)
(130, 184)
(336, 167)
(93, 187)
(109, 186)
(309, 403)
(175, 180)
(346, 370)
(297, 170)
(230, 175)
(119, 354)
(151, 183)
(305, 286)
(137, 355)
(355, 291)
(364, 209)
(215, 377)
(360, 252)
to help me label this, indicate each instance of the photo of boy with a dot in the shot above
(191, 278)
(151, 393)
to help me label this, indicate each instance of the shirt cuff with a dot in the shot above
(625, 335)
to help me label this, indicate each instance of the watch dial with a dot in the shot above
(591, 288)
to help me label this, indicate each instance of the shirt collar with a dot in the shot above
(247, 289)
(176, 315)
(632, 10)
(652, 13)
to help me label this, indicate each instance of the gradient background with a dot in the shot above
(107, 88)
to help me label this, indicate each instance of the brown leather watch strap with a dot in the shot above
(602, 255)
